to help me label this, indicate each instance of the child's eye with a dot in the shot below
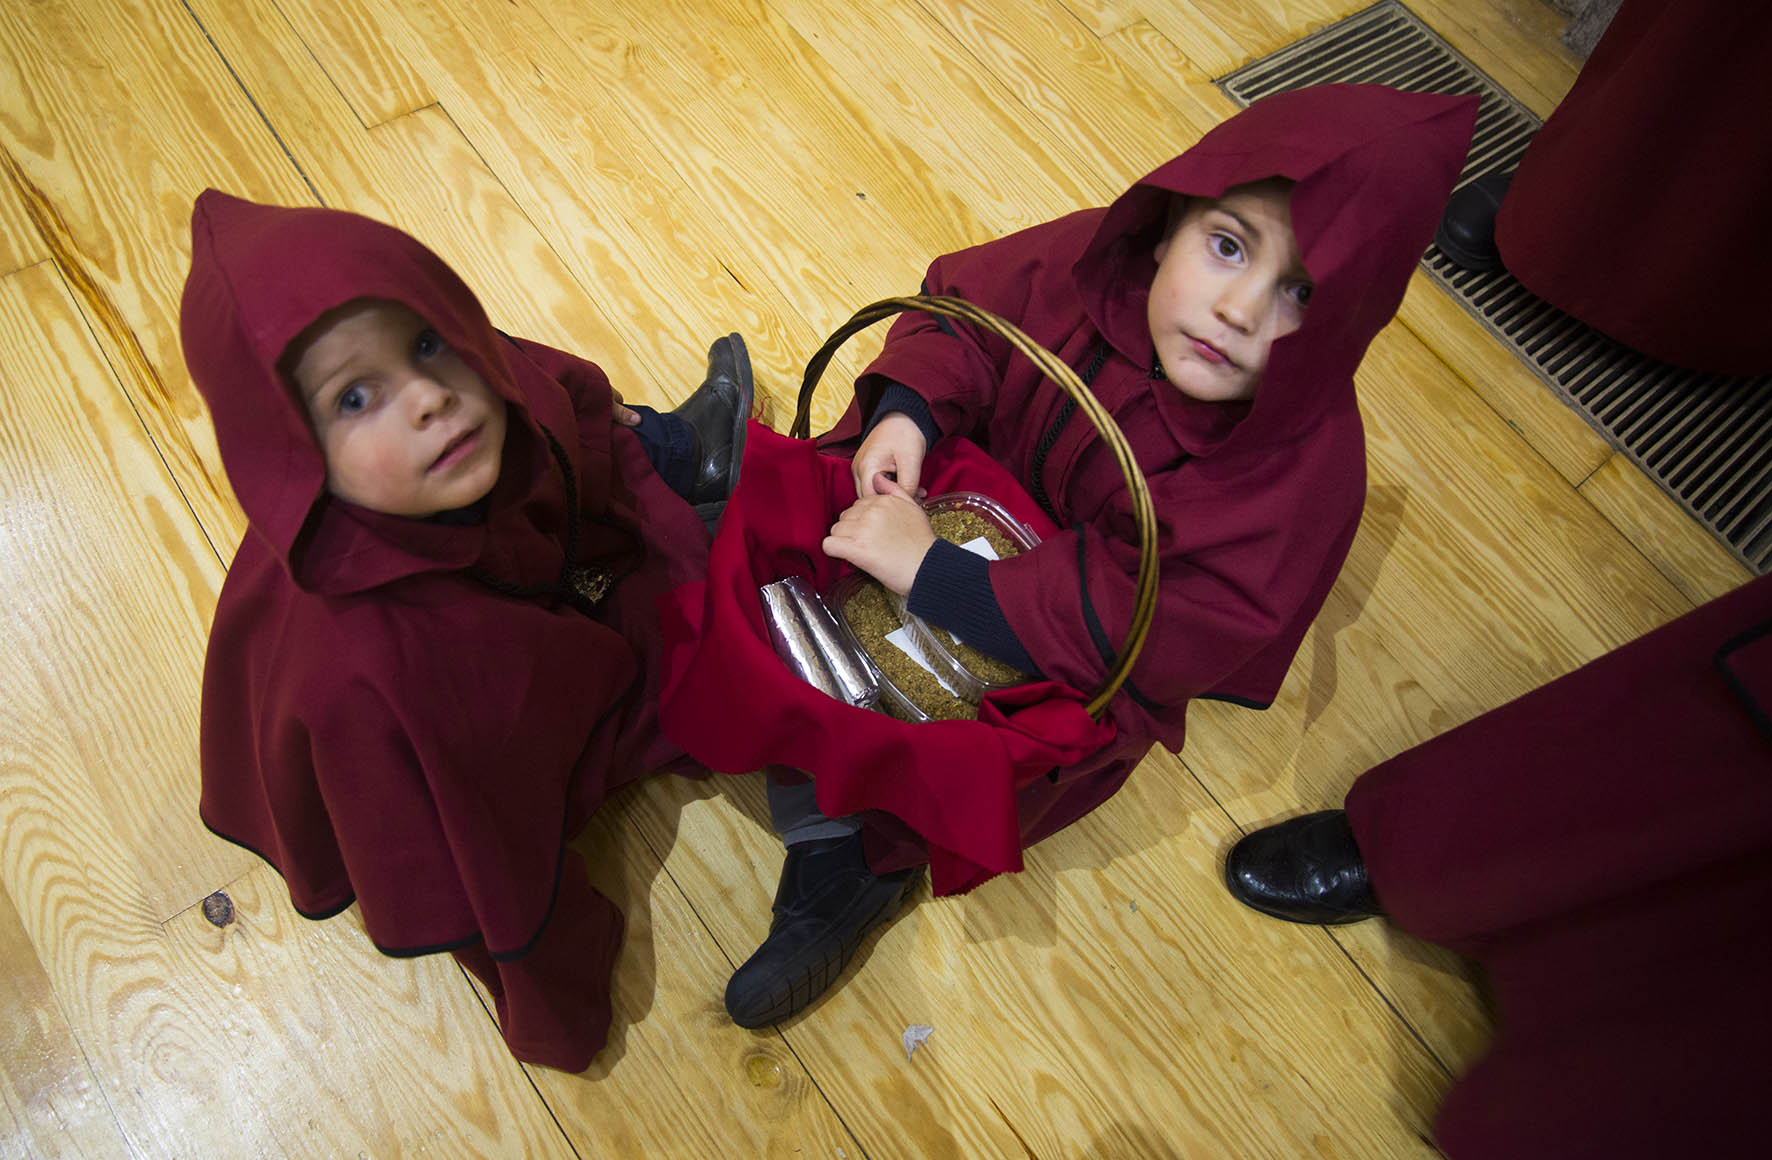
(428, 343)
(1301, 294)
(352, 399)
(1225, 246)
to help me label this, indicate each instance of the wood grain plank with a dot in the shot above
(1105, 17)
(419, 173)
(276, 1036)
(623, 223)
(1514, 41)
(1553, 428)
(1222, 35)
(370, 71)
(114, 586)
(803, 154)
(50, 1102)
(806, 168)
(1164, 67)
(1684, 551)
(121, 116)
(20, 246)
(1110, 1000)
(983, 168)
(1118, 128)
(679, 1078)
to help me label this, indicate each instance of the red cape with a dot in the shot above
(376, 724)
(954, 783)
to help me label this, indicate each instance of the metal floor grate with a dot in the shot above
(1702, 437)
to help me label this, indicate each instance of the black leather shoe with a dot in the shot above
(1467, 229)
(1305, 869)
(826, 904)
(716, 412)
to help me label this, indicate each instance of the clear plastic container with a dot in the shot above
(837, 599)
(968, 682)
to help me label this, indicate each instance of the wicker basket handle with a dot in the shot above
(1054, 368)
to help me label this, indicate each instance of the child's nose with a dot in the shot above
(1239, 302)
(428, 398)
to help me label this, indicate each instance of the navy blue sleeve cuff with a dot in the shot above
(900, 398)
(953, 590)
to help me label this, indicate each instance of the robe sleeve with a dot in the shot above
(1235, 594)
(953, 365)
(953, 590)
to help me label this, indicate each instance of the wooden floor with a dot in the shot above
(628, 179)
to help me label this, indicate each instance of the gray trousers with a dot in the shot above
(794, 813)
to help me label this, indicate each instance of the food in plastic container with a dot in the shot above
(866, 612)
(980, 524)
(925, 674)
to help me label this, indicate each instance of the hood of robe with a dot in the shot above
(260, 275)
(1372, 166)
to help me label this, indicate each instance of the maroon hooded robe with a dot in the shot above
(1603, 846)
(1256, 503)
(378, 724)
(1641, 206)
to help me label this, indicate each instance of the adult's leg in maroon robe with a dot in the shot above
(1603, 845)
(1640, 206)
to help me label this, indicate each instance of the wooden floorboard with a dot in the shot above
(111, 587)
(628, 179)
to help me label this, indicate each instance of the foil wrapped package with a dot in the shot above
(806, 637)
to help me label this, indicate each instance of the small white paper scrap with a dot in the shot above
(981, 546)
(914, 1035)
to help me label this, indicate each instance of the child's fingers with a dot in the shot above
(621, 412)
(909, 468)
(886, 485)
(869, 468)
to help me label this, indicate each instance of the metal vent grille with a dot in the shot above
(1702, 437)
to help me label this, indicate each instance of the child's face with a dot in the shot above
(406, 426)
(1229, 282)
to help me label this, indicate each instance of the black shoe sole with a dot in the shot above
(802, 985)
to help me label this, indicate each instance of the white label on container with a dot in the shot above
(901, 637)
(981, 546)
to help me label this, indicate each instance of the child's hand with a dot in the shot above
(885, 534)
(624, 415)
(894, 449)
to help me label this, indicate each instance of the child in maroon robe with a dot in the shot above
(435, 651)
(1218, 311)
